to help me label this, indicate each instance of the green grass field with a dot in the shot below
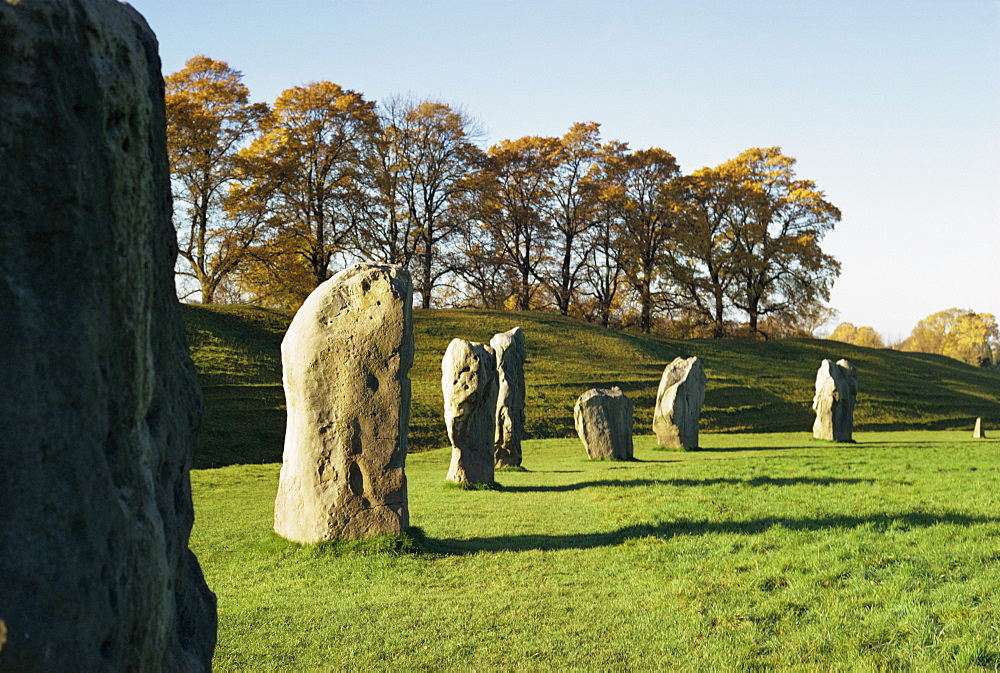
(761, 551)
(754, 386)
(765, 550)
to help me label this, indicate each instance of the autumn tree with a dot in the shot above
(427, 148)
(509, 194)
(571, 208)
(304, 169)
(209, 117)
(639, 189)
(859, 336)
(388, 232)
(704, 268)
(489, 282)
(779, 261)
(603, 266)
(957, 333)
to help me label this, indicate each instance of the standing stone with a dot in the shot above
(603, 421)
(346, 358)
(678, 404)
(836, 391)
(510, 354)
(99, 401)
(469, 386)
(978, 432)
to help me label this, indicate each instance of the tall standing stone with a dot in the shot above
(346, 359)
(603, 420)
(99, 401)
(510, 353)
(469, 386)
(678, 403)
(978, 432)
(836, 391)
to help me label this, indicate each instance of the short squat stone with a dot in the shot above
(678, 404)
(836, 391)
(603, 421)
(469, 386)
(346, 358)
(510, 353)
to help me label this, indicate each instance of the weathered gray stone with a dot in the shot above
(510, 353)
(836, 391)
(603, 421)
(469, 386)
(678, 404)
(978, 432)
(99, 401)
(346, 359)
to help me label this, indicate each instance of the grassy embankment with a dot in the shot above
(762, 551)
(753, 386)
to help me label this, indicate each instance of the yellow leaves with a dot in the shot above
(957, 333)
(859, 336)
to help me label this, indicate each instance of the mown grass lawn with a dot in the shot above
(761, 551)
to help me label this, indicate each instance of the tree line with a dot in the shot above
(270, 200)
(962, 334)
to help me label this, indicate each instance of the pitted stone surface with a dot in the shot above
(836, 392)
(510, 353)
(469, 386)
(603, 421)
(346, 359)
(678, 403)
(99, 401)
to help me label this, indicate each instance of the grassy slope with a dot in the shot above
(753, 386)
(761, 552)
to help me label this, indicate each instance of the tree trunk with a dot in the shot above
(719, 326)
(524, 303)
(646, 299)
(207, 290)
(427, 282)
(563, 295)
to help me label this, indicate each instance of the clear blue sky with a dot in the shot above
(891, 106)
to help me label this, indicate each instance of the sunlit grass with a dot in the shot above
(760, 551)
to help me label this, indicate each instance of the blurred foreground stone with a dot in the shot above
(100, 405)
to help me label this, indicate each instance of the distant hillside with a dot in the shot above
(754, 386)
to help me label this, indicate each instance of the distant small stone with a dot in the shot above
(509, 349)
(836, 391)
(978, 432)
(469, 386)
(678, 404)
(604, 423)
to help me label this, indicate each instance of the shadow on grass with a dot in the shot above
(668, 530)
(629, 483)
(758, 448)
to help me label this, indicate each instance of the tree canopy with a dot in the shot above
(270, 201)
(962, 334)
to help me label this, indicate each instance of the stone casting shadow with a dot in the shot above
(667, 530)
